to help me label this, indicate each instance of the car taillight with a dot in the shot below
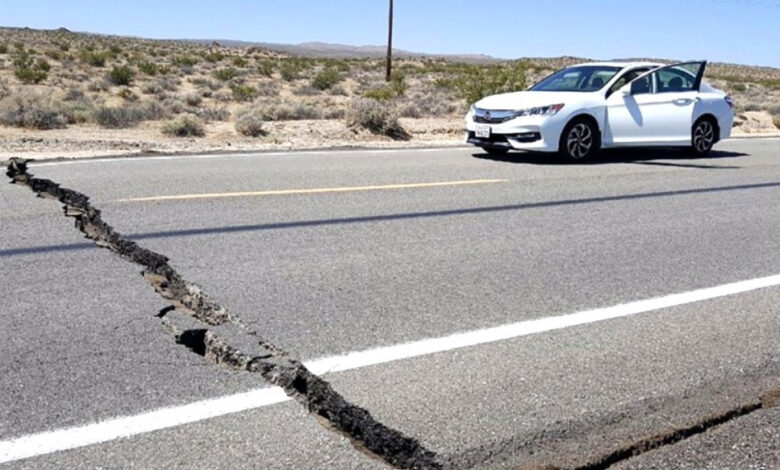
(729, 101)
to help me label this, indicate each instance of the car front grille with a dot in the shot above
(490, 116)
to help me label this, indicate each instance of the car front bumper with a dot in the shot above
(535, 134)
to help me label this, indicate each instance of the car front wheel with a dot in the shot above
(702, 137)
(579, 141)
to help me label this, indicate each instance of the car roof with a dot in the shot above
(621, 64)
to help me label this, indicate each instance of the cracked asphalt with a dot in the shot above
(324, 274)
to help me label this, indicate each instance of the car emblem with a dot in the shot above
(487, 114)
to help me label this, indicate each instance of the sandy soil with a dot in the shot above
(89, 141)
(86, 141)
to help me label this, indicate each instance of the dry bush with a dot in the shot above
(32, 110)
(306, 90)
(432, 102)
(376, 116)
(289, 112)
(121, 117)
(243, 92)
(776, 121)
(216, 113)
(249, 122)
(193, 100)
(338, 90)
(121, 75)
(184, 126)
(98, 86)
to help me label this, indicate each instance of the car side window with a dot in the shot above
(627, 77)
(642, 85)
(673, 80)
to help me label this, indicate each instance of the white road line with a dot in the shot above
(141, 158)
(70, 438)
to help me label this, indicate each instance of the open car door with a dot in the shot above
(657, 108)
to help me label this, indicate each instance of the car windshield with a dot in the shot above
(584, 78)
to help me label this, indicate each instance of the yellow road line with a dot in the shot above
(286, 192)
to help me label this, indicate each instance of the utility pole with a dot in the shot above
(389, 44)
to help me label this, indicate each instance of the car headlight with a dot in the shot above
(550, 110)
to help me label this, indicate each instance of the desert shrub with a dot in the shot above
(184, 61)
(213, 57)
(396, 88)
(306, 90)
(174, 105)
(289, 112)
(28, 70)
(268, 88)
(120, 75)
(152, 88)
(289, 70)
(240, 62)
(127, 95)
(266, 67)
(114, 51)
(193, 99)
(31, 110)
(3, 48)
(98, 86)
(376, 116)
(243, 92)
(249, 123)
(737, 87)
(430, 102)
(225, 74)
(4, 91)
(148, 68)
(338, 90)
(206, 83)
(776, 121)
(93, 58)
(53, 54)
(326, 78)
(184, 126)
(159, 85)
(121, 117)
(78, 110)
(213, 113)
(478, 82)
(384, 93)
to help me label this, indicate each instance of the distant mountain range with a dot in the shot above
(343, 51)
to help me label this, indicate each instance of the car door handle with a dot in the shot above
(683, 101)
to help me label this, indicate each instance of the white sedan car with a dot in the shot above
(583, 108)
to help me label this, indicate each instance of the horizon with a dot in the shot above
(691, 32)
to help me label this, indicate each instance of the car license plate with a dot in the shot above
(482, 132)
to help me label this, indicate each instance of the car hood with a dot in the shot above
(529, 99)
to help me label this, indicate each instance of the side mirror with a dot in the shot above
(625, 90)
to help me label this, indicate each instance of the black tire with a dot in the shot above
(496, 152)
(580, 141)
(704, 135)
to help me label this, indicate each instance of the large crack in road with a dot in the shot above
(213, 332)
(210, 330)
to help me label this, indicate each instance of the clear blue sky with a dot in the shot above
(741, 31)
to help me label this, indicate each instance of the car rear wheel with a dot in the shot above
(702, 137)
(579, 141)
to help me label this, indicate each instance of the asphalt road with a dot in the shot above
(326, 272)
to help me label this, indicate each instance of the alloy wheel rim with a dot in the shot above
(703, 136)
(579, 141)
